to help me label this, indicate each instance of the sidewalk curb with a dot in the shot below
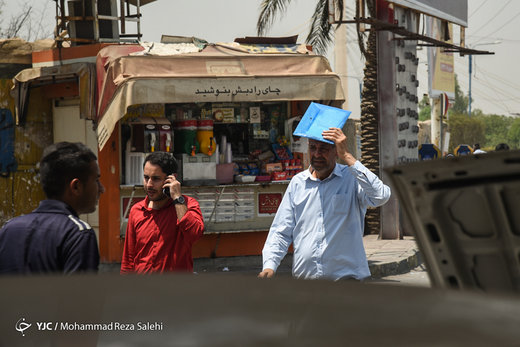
(405, 265)
(253, 264)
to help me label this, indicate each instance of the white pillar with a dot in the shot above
(340, 59)
(436, 121)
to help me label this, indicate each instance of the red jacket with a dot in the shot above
(156, 241)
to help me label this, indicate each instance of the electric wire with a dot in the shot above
(503, 82)
(496, 77)
(481, 92)
(498, 85)
(491, 91)
(491, 19)
(495, 91)
(506, 23)
(478, 8)
(481, 89)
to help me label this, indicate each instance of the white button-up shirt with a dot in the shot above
(325, 221)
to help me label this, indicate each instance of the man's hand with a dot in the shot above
(267, 273)
(174, 186)
(336, 135)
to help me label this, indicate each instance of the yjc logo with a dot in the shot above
(44, 325)
(21, 326)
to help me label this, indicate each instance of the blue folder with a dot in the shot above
(320, 117)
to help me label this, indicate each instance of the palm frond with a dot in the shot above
(371, 5)
(339, 6)
(320, 35)
(360, 36)
(269, 9)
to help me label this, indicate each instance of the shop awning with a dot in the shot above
(83, 74)
(215, 74)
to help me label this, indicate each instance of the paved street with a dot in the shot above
(392, 262)
(417, 277)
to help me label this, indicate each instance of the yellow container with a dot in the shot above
(205, 137)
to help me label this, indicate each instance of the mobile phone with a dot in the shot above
(166, 191)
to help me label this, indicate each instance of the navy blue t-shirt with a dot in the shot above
(51, 239)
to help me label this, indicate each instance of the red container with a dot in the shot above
(166, 137)
(279, 175)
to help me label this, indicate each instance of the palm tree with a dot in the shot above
(320, 36)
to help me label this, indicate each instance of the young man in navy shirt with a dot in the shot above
(52, 238)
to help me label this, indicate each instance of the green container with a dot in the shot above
(186, 136)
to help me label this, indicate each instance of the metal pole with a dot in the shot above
(441, 110)
(470, 70)
(469, 91)
(360, 92)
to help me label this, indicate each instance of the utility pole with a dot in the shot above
(470, 69)
(470, 58)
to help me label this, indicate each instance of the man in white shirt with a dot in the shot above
(322, 214)
(477, 150)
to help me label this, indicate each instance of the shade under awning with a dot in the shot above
(82, 73)
(248, 89)
(215, 74)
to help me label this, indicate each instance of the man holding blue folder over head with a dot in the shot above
(323, 209)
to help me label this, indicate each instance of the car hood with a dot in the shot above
(465, 215)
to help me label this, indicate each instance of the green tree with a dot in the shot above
(513, 135)
(477, 112)
(496, 129)
(465, 130)
(460, 105)
(425, 109)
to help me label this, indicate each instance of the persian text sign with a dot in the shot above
(269, 202)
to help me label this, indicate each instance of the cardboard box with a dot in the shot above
(272, 167)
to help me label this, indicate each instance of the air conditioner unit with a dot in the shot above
(85, 29)
(134, 168)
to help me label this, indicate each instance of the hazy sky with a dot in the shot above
(495, 79)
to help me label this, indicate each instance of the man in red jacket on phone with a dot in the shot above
(163, 227)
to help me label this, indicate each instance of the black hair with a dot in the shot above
(61, 163)
(502, 147)
(166, 161)
(476, 146)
